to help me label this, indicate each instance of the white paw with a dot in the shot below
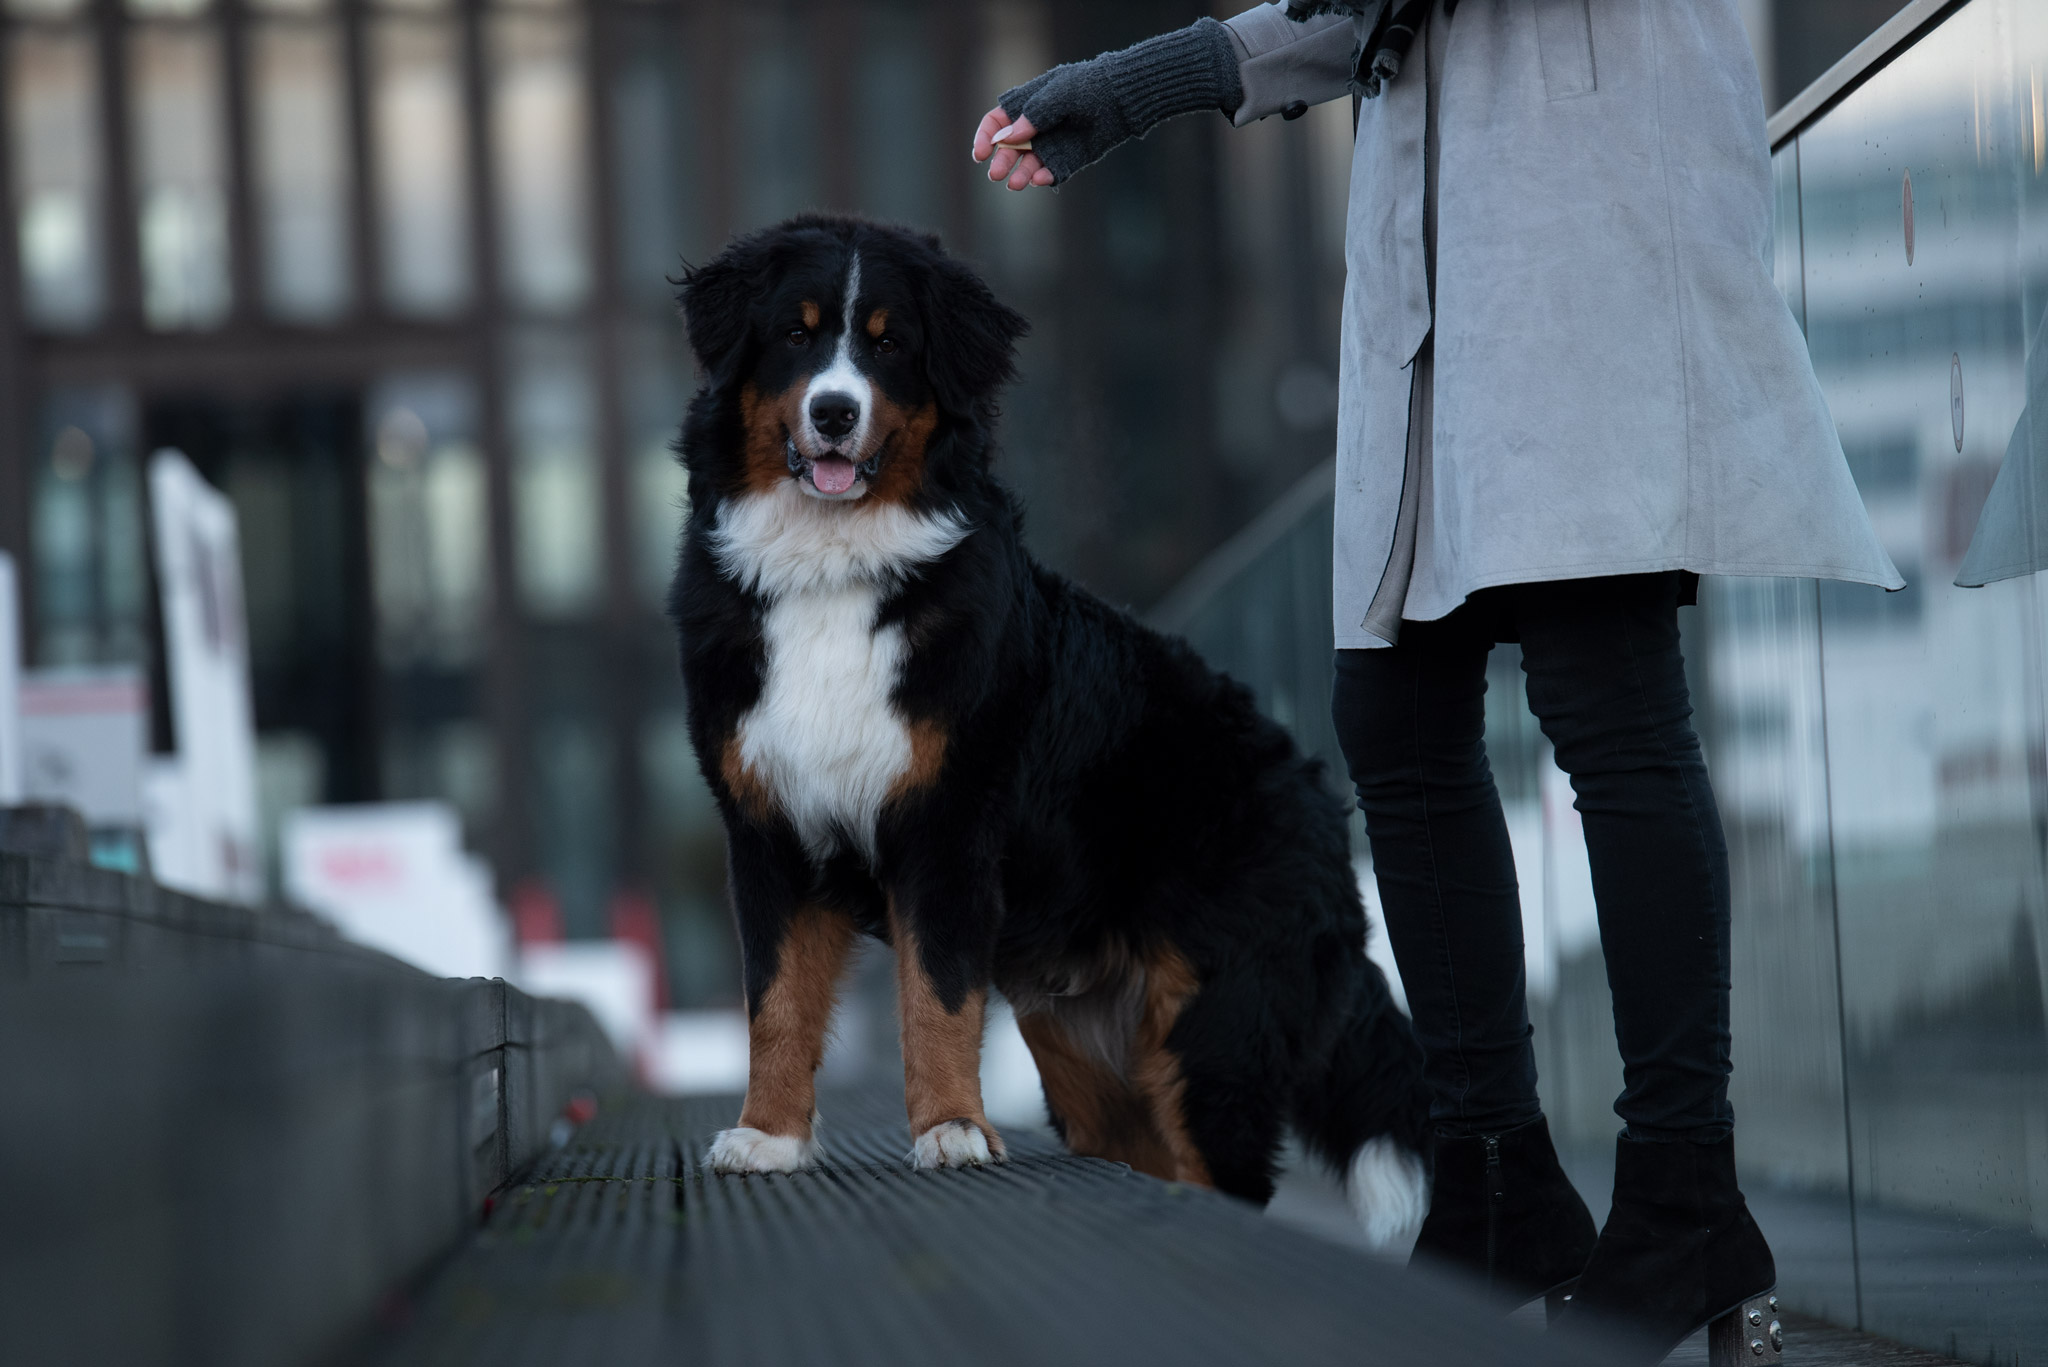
(1389, 1191)
(749, 1150)
(954, 1144)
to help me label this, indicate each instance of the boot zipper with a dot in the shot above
(1496, 1195)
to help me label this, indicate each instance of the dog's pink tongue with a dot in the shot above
(832, 474)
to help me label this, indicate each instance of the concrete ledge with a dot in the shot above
(58, 914)
(229, 1135)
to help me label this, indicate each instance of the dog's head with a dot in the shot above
(848, 347)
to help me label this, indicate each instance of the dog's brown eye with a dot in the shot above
(885, 345)
(799, 336)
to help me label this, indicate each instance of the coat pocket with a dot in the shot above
(1564, 33)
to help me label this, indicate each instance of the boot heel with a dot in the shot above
(1748, 1334)
(1556, 1299)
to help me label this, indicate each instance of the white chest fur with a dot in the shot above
(825, 738)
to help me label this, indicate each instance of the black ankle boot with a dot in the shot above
(1679, 1252)
(1502, 1209)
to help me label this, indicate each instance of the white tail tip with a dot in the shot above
(1389, 1191)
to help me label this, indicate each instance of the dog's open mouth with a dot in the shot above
(831, 474)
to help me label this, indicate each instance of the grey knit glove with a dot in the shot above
(1084, 109)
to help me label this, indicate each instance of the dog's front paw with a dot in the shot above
(957, 1144)
(749, 1150)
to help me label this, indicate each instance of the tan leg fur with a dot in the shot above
(941, 1065)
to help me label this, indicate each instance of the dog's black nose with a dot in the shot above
(834, 415)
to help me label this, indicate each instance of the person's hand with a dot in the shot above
(1021, 168)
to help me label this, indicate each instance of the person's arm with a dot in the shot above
(1259, 63)
(1074, 115)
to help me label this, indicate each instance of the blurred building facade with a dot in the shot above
(393, 274)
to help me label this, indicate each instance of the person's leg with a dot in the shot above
(1411, 720)
(1607, 682)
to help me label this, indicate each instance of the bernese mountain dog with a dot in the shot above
(915, 731)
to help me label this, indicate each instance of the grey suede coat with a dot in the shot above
(1619, 386)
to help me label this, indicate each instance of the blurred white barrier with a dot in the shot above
(700, 1053)
(202, 801)
(1010, 1089)
(1378, 947)
(611, 977)
(394, 876)
(84, 741)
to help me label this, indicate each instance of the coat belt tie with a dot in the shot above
(1393, 34)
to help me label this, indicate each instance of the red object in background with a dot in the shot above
(536, 915)
(635, 920)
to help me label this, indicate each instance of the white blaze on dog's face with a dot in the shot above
(838, 408)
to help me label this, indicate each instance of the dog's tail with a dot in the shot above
(1367, 1115)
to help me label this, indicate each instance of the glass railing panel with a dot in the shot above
(1755, 652)
(1788, 259)
(1917, 287)
(1268, 627)
(1881, 760)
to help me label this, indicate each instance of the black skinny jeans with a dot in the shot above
(1607, 683)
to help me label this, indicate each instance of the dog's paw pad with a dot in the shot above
(956, 1144)
(750, 1150)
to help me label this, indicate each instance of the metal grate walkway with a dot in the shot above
(623, 1249)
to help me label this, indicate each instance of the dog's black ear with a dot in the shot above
(973, 338)
(717, 300)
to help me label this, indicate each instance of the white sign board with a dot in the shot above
(84, 741)
(394, 876)
(201, 802)
(10, 684)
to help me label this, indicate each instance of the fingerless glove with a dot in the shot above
(1082, 110)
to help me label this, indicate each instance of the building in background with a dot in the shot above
(394, 274)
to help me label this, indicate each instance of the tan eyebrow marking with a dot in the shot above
(878, 322)
(812, 317)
